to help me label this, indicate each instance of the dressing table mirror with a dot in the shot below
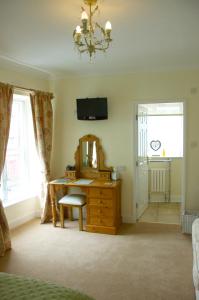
(103, 196)
(89, 159)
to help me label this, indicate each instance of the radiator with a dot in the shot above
(158, 180)
(187, 220)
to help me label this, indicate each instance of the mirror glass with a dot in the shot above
(89, 154)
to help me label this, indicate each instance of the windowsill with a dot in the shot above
(13, 202)
(165, 157)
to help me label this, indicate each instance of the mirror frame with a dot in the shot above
(88, 138)
(101, 171)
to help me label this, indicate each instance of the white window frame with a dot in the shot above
(165, 148)
(31, 179)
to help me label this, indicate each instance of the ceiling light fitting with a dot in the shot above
(86, 36)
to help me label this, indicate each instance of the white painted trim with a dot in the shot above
(21, 220)
(135, 139)
(29, 66)
(176, 199)
(184, 161)
(36, 214)
(128, 219)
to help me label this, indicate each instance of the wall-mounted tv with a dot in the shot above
(92, 109)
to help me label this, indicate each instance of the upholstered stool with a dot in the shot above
(70, 201)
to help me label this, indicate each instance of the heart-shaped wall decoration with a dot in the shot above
(155, 145)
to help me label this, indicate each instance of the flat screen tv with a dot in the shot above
(92, 109)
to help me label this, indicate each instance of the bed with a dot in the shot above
(195, 246)
(19, 287)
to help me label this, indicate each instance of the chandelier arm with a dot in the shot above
(82, 51)
(86, 42)
(104, 41)
(104, 45)
(81, 45)
(101, 28)
(94, 10)
(103, 48)
(101, 42)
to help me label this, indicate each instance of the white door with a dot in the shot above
(142, 162)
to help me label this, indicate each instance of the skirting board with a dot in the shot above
(125, 219)
(128, 219)
(21, 220)
(36, 214)
(160, 198)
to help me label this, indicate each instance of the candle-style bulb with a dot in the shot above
(108, 26)
(84, 16)
(78, 29)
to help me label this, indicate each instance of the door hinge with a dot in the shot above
(136, 205)
(136, 117)
(136, 163)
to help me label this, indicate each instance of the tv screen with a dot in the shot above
(92, 109)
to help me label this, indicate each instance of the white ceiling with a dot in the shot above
(148, 35)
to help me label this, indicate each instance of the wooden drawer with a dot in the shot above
(95, 211)
(100, 193)
(106, 203)
(104, 175)
(102, 229)
(101, 221)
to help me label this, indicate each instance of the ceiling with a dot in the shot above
(148, 35)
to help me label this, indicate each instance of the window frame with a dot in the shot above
(26, 138)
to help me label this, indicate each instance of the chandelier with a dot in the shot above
(90, 36)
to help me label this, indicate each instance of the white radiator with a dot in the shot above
(187, 220)
(158, 180)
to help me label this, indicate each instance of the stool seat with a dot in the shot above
(70, 201)
(74, 199)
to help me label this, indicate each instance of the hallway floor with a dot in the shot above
(166, 213)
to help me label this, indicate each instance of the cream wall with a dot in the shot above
(117, 132)
(176, 179)
(22, 212)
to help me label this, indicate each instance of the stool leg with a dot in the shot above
(80, 219)
(70, 212)
(62, 215)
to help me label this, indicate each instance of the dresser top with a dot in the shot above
(79, 183)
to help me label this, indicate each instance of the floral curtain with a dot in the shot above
(43, 123)
(6, 99)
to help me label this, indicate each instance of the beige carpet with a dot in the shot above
(145, 261)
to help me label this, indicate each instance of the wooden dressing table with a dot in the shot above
(103, 195)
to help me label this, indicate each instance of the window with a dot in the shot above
(20, 177)
(169, 131)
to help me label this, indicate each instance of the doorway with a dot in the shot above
(159, 174)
